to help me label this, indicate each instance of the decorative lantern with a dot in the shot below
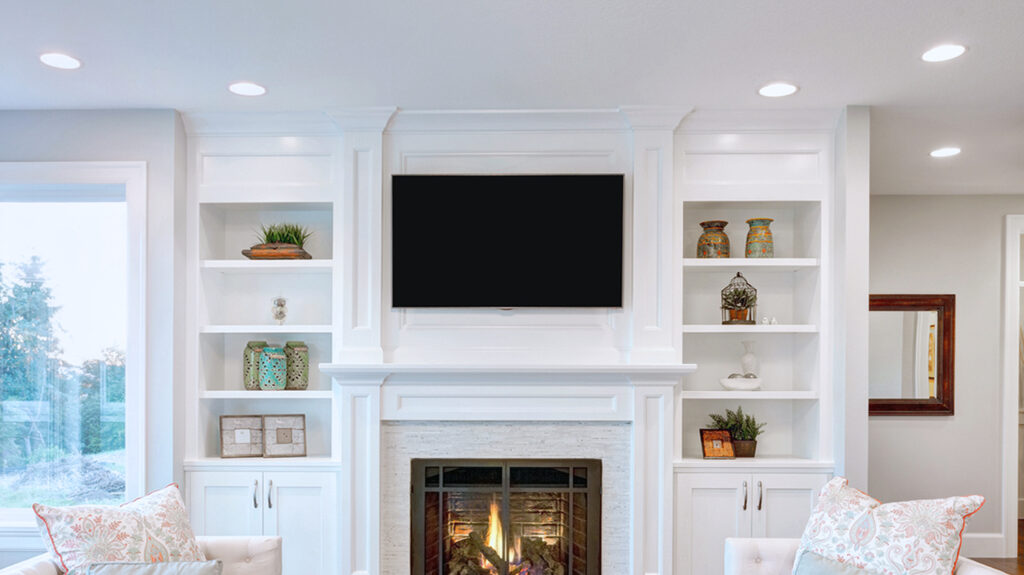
(739, 302)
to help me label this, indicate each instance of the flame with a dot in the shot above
(495, 537)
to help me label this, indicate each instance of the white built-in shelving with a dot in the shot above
(237, 185)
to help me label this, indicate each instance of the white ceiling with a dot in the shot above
(474, 54)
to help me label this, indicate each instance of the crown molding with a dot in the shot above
(654, 117)
(433, 121)
(363, 119)
(259, 124)
(761, 121)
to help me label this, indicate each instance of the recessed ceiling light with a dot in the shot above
(247, 89)
(777, 90)
(61, 61)
(943, 53)
(945, 152)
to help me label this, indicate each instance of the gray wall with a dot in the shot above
(946, 244)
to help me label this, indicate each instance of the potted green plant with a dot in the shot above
(743, 427)
(280, 242)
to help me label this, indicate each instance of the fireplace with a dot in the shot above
(506, 517)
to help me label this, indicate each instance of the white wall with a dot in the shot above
(946, 244)
(157, 138)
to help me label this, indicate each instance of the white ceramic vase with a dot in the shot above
(748, 360)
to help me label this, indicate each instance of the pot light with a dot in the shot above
(945, 152)
(943, 53)
(777, 90)
(60, 61)
(247, 89)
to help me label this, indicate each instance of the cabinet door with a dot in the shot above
(709, 508)
(782, 502)
(226, 502)
(300, 507)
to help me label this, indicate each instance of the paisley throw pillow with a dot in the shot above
(848, 527)
(150, 529)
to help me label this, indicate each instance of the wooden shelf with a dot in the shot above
(759, 328)
(261, 394)
(759, 462)
(261, 463)
(726, 394)
(268, 266)
(296, 329)
(698, 265)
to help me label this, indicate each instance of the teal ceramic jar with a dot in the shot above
(759, 239)
(713, 243)
(273, 369)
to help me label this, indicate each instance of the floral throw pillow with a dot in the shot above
(850, 528)
(151, 529)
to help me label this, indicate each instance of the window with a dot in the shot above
(63, 326)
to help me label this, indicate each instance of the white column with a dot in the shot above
(359, 488)
(653, 503)
(656, 247)
(357, 231)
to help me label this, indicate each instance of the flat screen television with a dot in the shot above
(505, 241)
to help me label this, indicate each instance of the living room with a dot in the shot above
(594, 356)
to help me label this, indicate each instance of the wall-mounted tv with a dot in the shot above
(504, 241)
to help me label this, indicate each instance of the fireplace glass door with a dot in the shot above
(506, 517)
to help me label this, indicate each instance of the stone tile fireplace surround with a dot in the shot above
(390, 414)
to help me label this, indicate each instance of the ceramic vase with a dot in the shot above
(713, 243)
(273, 369)
(759, 238)
(251, 364)
(748, 360)
(297, 353)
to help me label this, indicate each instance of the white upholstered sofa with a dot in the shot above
(776, 556)
(239, 555)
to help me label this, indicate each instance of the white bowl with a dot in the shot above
(741, 383)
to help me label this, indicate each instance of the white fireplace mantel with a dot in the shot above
(640, 394)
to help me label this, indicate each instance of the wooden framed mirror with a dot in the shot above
(910, 355)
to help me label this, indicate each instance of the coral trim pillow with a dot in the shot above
(920, 537)
(150, 529)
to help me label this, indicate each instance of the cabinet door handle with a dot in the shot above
(744, 495)
(760, 495)
(255, 488)
(270, 493)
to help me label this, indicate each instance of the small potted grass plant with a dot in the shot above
(743, 427)
(280, 242)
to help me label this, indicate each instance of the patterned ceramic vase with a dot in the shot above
(713, 243)
(759, 239)
(251, 364)
(298, 364)
(273, 368)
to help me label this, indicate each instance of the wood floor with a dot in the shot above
(1013, 566)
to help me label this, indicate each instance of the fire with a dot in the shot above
(495, 537)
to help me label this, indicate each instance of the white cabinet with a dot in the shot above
(298, 506)
(713, 506)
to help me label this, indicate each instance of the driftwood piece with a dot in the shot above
(276, 251)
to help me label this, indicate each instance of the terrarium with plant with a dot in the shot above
(739, 302)
(280, 241)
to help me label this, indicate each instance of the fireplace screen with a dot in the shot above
(511, 517)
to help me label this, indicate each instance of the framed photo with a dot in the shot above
(284, 436)
(716, 444)
(241, 436)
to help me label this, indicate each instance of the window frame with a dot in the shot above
(97, 181)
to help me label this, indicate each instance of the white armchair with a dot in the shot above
(776, 556)
(239, 555)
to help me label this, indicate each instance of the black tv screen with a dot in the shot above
(506, 241)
